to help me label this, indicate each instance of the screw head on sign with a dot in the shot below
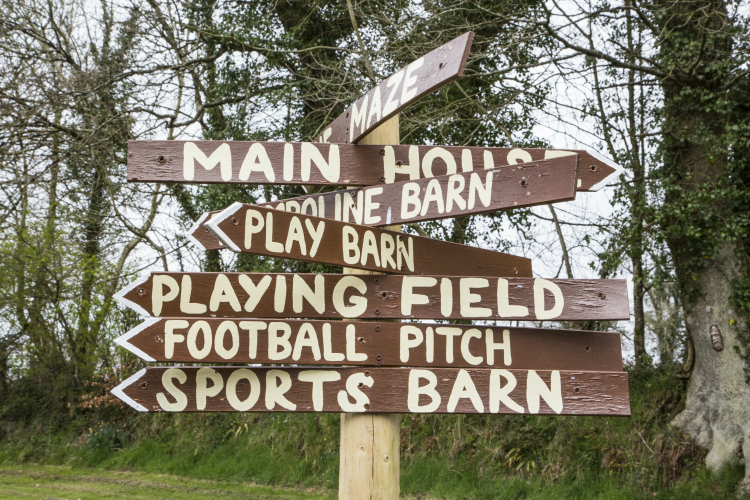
(143, 385)
(399, 163)
(524, 183)
(441, 65)
(515, 270)
(382, 152)
(235, 221)
(578, 389)
(158, 340)
(377, 328)
(378, 357)
(377, 311)
(142, 292)
(383, 294)
(376, 281)
(361, 340)
(381, 178)
(588, 348)
(360, 385)
(601, 295)
(593, 168)
(367, 406)
(161, 159)
(367, 373)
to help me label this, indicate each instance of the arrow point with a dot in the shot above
(122, 341)
(189, 233)
(118, 391)
(213, 226)
(120, 296)
(610, 163)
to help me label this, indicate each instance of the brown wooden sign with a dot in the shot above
(465, 193)
(315, 342)
(375, 390)
(261, 295)
(273, 233)
(403, 88)
(334, 164)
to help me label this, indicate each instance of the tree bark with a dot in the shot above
(717, 408)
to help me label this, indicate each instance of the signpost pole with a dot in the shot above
(370, 443)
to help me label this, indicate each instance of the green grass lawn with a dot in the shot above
(62, 482)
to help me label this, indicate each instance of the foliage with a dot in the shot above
(453, 456)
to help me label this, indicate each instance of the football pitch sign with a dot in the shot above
(274, 295)
(316, 342)
(458, 194)
(377, 389)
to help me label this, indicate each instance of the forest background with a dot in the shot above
(660, 86)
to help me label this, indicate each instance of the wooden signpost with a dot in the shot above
(261, 295)
(316, 342)
(466, 193)
(265, 231)
(377, 390)
(404, 87)
(310, 164)
(371, 371)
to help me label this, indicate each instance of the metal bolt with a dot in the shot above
(143, 385)
(379, 357)
(515, 270)
(382, 151)
(377, 311)
(158, 340)
(377, 328)
(383, 294)
(360, 385)
(524, 183)
(361, 340)
(601, 295)
(381, 178)
(367, 373)
(578, 389)
(162, 159)
(588, 348)
(398, 163)
(367, 406)
(593, 168)
(142, 291)
(376, 281)
(235, 221)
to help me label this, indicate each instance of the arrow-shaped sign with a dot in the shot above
(403, 88)
(374, 390)
(334, 164)
(261, 295)
(273, 233)
(315, 342)
(464, 193)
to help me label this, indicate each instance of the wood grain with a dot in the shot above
(375, 390)
(273, 233)
(390, 296)
(358, 165)
(518, 186)
(403, 88)
(371, 344)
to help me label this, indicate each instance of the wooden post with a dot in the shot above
(370, 443)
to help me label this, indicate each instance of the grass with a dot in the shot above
(82, 484)
(442, 456)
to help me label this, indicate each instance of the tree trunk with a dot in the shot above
(717, 409)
